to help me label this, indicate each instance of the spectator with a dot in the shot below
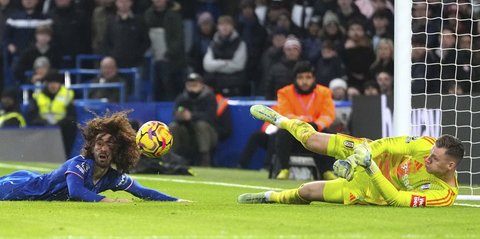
(311, 43)
(225, 60)
(193, 126)
(338, 87)
(54, 106)
(456, 89)
(358, 55)
(104, 10)
(41, 67)
(273, 54)
(385, 82)
(108, 74)
(201, 41)
(71, 32)
(166, 35)
(21, 25)
(384, 57)
(126, 37)
(296, 101)
(382, 27)
(284, 21)
(42, 47)
(254, 36)
(281, 73)
(275, 9)
(330, 65)
(420, 59)
(444, 62)
(352, 92)
(332, 30)
(6, 9)
(10, 115)
(371, 88)
(347, 11)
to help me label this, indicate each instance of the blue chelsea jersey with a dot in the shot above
(26, 185)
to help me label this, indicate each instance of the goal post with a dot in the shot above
(442, 107)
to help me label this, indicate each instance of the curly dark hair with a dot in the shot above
(125, 153)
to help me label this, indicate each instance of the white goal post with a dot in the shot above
(435, 113)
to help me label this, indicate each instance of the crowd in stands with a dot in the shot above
(238, 48)
(242, 48)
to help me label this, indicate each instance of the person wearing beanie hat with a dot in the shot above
(338, 87)
(53, 106)
(293, 42)
(205, 18)
(280, 73)
(193, 125)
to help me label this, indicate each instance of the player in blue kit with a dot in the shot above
(109, 151)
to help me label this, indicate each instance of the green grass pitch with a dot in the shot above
(216, 214)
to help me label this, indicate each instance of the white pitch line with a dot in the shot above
(2, 165)
(24, 167)
(204, 182)
(466, 205)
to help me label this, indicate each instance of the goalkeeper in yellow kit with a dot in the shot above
(397, 171)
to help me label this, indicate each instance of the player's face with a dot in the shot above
(438, 163)
(103, 150)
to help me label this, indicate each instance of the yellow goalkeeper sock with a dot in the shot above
(290, 196)
(299, 129)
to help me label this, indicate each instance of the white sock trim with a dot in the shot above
(267, 195)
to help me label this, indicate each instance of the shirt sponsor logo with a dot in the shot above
(403, 172)
(84, 167)
(425, 186)
(417, 201)
(410, 138)
(348, 144)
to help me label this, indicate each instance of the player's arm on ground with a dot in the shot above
(395, 197)
(78, 192)
(126, 183)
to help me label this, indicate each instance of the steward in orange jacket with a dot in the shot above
(315, 107)
(308, 101)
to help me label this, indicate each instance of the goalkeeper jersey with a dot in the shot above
(401, 161)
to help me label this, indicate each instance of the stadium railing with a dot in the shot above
(148, 73)
(84, 87)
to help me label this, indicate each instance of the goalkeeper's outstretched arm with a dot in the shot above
(395, 197)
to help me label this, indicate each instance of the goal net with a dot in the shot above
(445, 77)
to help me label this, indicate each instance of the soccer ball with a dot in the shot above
(154, 139)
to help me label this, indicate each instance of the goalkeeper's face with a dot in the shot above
(439, 163)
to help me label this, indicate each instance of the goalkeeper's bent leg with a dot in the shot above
(302, 131)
